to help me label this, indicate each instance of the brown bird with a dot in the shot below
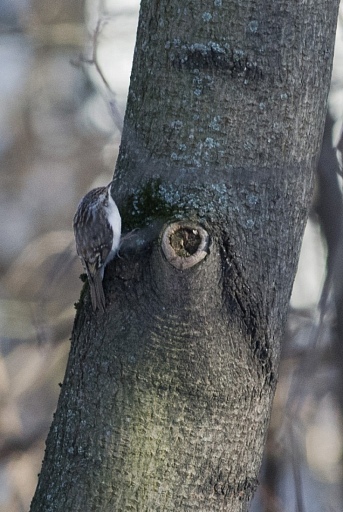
(97, 230)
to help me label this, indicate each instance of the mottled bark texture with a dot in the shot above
(166, 398)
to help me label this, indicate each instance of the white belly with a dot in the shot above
(115, 221)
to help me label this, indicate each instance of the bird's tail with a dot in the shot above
(97, 291)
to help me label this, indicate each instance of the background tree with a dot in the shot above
(166, 398)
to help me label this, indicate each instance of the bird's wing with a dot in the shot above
(94, 242)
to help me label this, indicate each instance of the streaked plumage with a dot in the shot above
(97, 229)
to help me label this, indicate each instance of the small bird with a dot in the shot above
(97, 230)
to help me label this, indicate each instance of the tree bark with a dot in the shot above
(166, 398)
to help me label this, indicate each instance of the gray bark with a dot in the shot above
(166, 398)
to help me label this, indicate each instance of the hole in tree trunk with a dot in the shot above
(184, 244)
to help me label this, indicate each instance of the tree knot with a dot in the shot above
(185, 244)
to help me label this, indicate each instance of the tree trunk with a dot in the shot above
(167, 396)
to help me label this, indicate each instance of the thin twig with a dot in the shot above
(93, 61)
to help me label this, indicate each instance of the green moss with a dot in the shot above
(147, 204)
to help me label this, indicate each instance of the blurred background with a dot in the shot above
(65, 70)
